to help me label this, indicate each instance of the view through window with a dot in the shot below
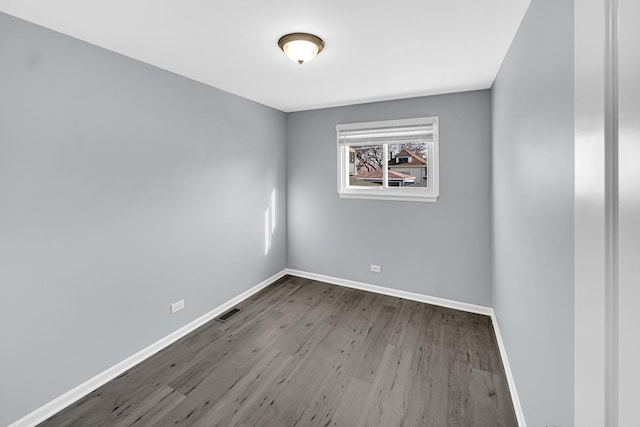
(394, 159)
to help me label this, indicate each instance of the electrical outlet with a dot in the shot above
(177, 306)
(376, 268)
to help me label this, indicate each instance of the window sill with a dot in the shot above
(393, 197)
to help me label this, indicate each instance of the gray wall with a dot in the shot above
(440, 249)
(123, 188)
(533, 197)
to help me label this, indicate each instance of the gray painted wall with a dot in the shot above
(440, 249)
(122, 189)
(533, 196)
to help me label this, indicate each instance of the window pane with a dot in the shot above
(365, 165)
(408, 164)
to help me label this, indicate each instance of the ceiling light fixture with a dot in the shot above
(301, 47)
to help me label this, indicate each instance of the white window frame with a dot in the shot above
(413, 194)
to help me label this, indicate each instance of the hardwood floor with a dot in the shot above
(307, 353)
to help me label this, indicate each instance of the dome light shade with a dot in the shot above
(301, 47)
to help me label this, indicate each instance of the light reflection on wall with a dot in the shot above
(273, 211)
(269, 222)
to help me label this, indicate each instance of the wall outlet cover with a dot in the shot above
(177, 306)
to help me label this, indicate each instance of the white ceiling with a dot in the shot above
(374, 49)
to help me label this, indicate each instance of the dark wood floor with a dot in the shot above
(307, 353)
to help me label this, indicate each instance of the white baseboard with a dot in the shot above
(472, 308)
(75, 394)
(102, 378)
(507, 370)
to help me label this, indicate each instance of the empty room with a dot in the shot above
(298, 213)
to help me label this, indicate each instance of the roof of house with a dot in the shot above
(418, 161)
(377, 174)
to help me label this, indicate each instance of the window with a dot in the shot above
(389, 160)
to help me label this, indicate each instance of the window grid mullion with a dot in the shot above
(385, 163)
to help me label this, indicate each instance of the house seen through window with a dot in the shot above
(393, 159)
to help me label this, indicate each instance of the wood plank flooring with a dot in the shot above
(307, 353)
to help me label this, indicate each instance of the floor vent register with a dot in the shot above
(228, 315)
